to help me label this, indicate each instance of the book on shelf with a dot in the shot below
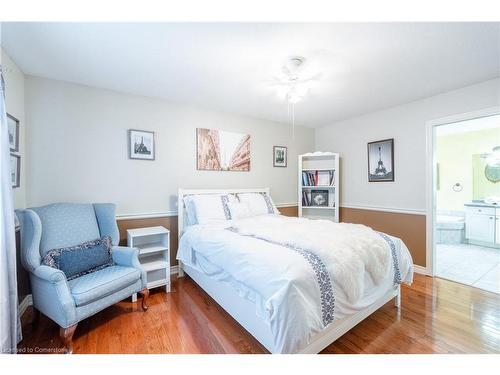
(306, 198)
(318, 178)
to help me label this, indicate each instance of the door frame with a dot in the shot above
(431, 175)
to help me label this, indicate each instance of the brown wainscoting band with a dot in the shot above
(410, 228)
(23, 278)
(169, 222)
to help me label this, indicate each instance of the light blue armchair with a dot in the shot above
(68, 302)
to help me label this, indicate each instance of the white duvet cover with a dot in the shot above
(283, 282)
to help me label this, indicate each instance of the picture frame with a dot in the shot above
(319, 198)
(141, 144)
(220, 150)
(381, 160)
(13, 128)
(15, 170)
(280, 156)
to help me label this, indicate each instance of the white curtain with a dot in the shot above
(10, 330)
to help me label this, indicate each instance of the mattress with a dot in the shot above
(277, 281)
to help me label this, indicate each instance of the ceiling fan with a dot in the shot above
(294, 80)
(293, 83)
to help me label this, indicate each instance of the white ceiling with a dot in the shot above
(228, 66)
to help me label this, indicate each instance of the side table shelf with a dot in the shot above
(154, 254)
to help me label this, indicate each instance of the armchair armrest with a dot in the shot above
(31, 233)
(52, 296)
(49, 274)
(128, 257)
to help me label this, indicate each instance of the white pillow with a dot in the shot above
(259, 203)
(239, 210)
(208, 208)
(190, 218)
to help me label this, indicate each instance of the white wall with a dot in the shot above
(14, 102)
(77, 141)
(407, 125)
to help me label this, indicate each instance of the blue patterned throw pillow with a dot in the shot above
(76, 261)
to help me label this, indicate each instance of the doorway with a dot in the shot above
(465, 196)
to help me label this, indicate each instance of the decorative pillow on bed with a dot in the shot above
(239, 210)
(259, 203)
(190, 218)
(208, 208)
(76, 261)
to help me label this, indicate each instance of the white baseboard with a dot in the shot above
(421, 270)
(174, 270)
(25, 303)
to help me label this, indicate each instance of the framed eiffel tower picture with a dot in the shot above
(381, 161)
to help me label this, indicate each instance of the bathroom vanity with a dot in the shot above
(482, 223)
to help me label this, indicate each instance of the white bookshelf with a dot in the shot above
(318, 167)
(154, 254)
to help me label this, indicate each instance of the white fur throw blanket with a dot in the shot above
(347, 250)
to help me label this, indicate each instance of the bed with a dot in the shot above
(262, 272)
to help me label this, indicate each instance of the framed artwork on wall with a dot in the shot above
(381, 161)
(13, 126)
(15, 170)
(319, 198)
(280, 155)
(218, 150)
(141, 144)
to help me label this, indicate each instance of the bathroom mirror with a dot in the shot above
(492, 168)
(485, 178)
(492, 172)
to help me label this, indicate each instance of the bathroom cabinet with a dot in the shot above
(481, 225)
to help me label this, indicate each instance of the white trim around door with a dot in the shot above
(430, 165)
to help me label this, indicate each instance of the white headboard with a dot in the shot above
(183, 192)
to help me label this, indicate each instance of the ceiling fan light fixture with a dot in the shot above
(291, 85)
(293, 65)
(297, 92)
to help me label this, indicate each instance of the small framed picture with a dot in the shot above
(13, 126)
(381, 161)
(319, 198)
(15, 170)
(141, 144)
(280, 156)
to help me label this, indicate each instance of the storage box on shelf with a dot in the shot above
(154, 254)
(318, 185)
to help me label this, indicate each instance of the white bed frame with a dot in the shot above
(243, 311)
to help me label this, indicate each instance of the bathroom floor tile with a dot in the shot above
(469, 264)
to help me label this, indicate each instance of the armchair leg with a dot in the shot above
(35, 320)
(145, 294)
(66, 335)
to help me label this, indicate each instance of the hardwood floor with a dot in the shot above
(437, 316)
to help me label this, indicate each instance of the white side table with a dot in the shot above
(154, 254)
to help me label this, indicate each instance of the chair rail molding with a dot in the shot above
(398, 210)
(153, 215)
